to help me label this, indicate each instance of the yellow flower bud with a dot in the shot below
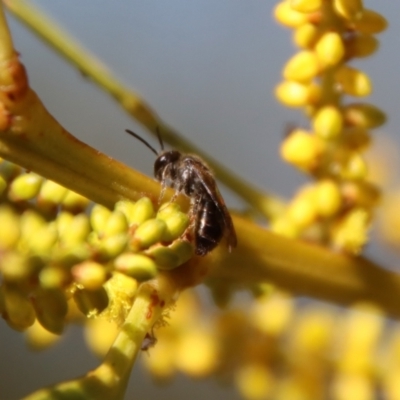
(306, 6)
(254, 381)
(149, 233)
(287, 16)
(51, 308)
(285, 227)
(353, 82)
(330, 49)
(328, 199)
(351, 233)
(43, 240)
(303, 67)
(51, 193)
(9, 227)
(183, 249)
(302, 149)
(113, 245)
(116, 223)
(141, 211)
(295, 94)
(328, 122)
(25, 187)
(127, 208)
(15, 266)
(9, 170)
(349, 9)
(77, 231)
(355, 168)
(98, 217)
(363, 115)
(361, 46)
(175, 224)
(302, 210)
(306, 35)
(89, 274)
(138, 266)
(370, 23)
(74, 202)
(197, 353)
(52, 277)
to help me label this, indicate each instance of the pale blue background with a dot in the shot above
(209, 68)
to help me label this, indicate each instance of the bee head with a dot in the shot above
(167, 158)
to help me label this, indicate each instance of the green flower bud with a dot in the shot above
(137, 266)
(127, 208)
(91, 302)
(148, 233)
(77, 231)
(25, 187)
(89, 274)
(115, 224)
(164, 257)
(183, 249)
(141, 211)
(176, 223)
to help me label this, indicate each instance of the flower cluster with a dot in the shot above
(57, 253)
(337, 208)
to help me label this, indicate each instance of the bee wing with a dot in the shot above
(205, 176)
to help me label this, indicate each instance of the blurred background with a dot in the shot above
(209, 69)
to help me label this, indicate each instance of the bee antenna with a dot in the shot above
(160, 138)
(142, 140)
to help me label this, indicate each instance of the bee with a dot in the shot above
(190, 175)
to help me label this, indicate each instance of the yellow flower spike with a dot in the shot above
(100, 334)
(328, 122)
(127, 208)
(9, 227)
(175, 224)
(91, 302)
(355, 168)
(254, 381)
(271, 314)
(148, 233)
(302, 149)
(361, 46)
(25, 187)
(52, 277)
(353, 82)
(98, 217)
(74, 202)
(363, 115)
(328, 199)
(51, 193)
(39, 338)
(43, 240)
(295, 94)
(89, 274)
(370, 23)
(116, 224)
(330, 49)
(111, 246)
(302, 67)
(197, 353)
(287, 16)
(77, 231)
(51, 308)
(183, 250)
(17, 311)
(349, 9)
(306, 6)
(306, 35)
(164, 257)
(137, 266)
(351, 232)
(142, 210)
